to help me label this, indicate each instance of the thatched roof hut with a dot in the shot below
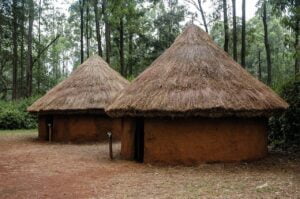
(195, 77)
(90, 87)
(195, 103)
(84, 94)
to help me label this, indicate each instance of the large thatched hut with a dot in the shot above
(195, 104)
(74, 109)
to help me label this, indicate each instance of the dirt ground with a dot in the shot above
(35, 169)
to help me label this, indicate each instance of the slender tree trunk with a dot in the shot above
(234, 34)
(81, 30)
(130, 49)
(87, 29)
(243, 50)
(107, 31)
(15, 50)
(267, 45)
(226, 34)
(29, 49)
(1, 33)
(202, 15)
(39, 48)
(122, 61)
(21, 82)
(297, 47)
(64, 65)
(259, 66)
(107, 41)
(99, 42)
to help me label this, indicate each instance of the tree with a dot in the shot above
(226, 34)
(39, 46)
(266, 41)
(97, 24)
(289, 10)
(234, 33)
(202, 15)
(15, 49)
(243, 49)
(22, 51)
(130, 53)
(259, 72)
(198, 6)
(107, 31)
(87, 36)
(81, 3)
(29, 48)
(121, 46)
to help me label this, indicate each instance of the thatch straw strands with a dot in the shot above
(89, 88)
(195, 77)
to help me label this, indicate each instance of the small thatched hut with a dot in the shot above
(74, 109)
(195, 104)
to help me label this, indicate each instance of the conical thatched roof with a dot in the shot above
(90, 87)
(195, 77)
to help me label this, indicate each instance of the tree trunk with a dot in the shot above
(15, 50)
(226, 34)
(122, 61)
(130, 49)
(29, 49)
(87, 29)
(107, 41)
(297, 48)
(107, 31)
(21, 82)
(99, 43)
(243, 50)
(234, 34)
(81, 2)
(202, 15)
(39, 47)
(45, 49)
(259, 66)
(267, 45)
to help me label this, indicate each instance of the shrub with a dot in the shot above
(13, 115)
(285, 127)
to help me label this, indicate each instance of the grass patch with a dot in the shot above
(18, 132)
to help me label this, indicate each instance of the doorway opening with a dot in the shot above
(49, 126)
(139, 140)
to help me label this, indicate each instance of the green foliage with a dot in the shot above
(13, 115)
(285, 127)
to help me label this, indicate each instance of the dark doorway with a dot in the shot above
(49, 126)
(139, 140)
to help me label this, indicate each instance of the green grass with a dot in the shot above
(17, 132)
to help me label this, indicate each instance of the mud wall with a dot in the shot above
(80, 128)
(191, 141)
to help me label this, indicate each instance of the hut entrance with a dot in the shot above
(49, 125)
(139, 140)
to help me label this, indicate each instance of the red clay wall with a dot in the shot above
(81, 128)
(190, 141)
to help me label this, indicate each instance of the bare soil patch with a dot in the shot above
(35, 169)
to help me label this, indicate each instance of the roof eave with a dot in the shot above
(194, 113)
(69, 112)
